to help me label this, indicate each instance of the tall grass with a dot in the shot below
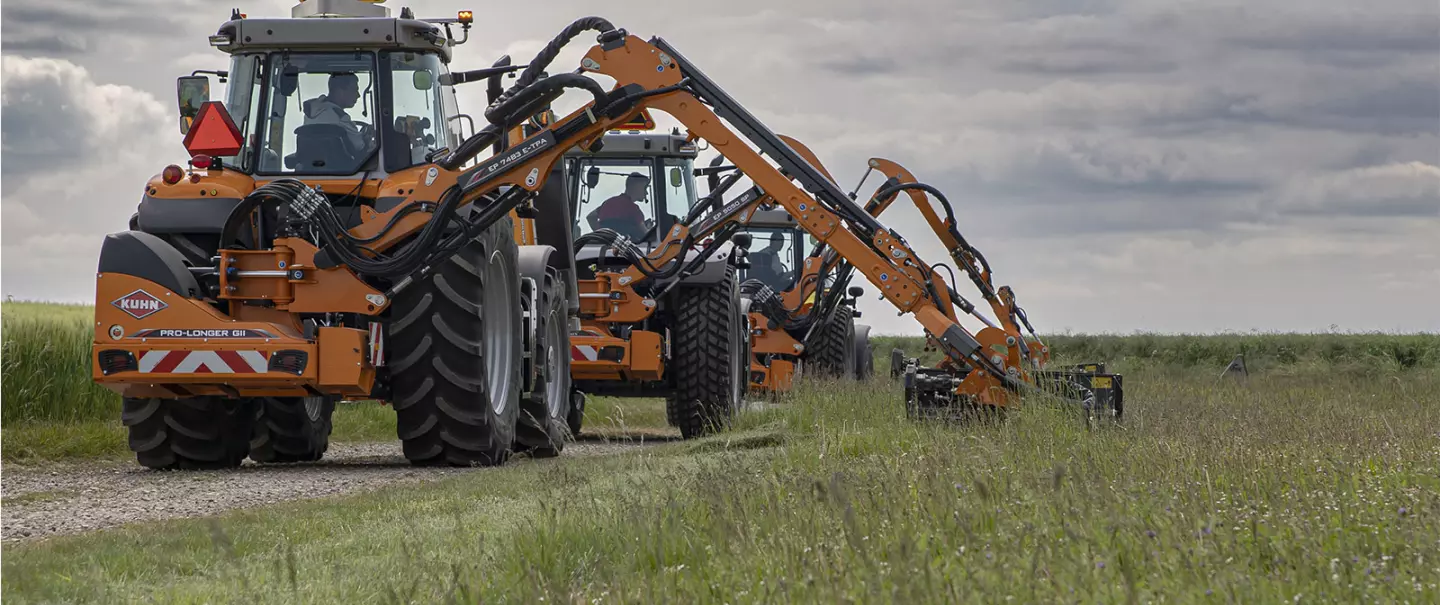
(1310, 488)
(46, 365)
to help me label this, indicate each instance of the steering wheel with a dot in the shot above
(367, 130)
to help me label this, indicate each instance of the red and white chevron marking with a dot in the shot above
(583, 353)
(204, 362)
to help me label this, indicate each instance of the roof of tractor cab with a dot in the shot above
(629, 144)
(333, 25)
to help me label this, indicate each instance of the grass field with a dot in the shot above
(1317, 480)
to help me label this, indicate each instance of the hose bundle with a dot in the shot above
(306, 213)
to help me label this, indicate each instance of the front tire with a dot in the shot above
(833, 353)
(711, 364)
(457, 355)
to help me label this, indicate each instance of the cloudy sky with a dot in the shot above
(1125, 165)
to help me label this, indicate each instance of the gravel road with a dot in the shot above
(58, 500)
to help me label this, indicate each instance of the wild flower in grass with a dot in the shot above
(1099, 565)
(1150, 533)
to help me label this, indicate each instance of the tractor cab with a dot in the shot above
(638, 184)
(339, 89)
(777, 249)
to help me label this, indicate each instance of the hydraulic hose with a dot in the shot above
(547, 55)
(950, 223)
(527, 101)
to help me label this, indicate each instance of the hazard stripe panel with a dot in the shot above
(583, 353)
(204, 362)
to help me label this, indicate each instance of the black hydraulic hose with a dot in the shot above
(547, 55)
(471, 147)
(705, 203)
(528, 101)
(890, 190)
(950, 223)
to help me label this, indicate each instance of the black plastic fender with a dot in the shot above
(148, 257)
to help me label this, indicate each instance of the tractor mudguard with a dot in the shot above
(147, 257)
(713, 271)
(534, 259)
(184, 215)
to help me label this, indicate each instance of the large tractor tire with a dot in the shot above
(455, 356)
(543, 425)
(711, 366)
(831, 353)
(194, 433)
(291, 429)
(864, 354)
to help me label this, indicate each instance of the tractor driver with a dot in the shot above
(768, 266)
(622, 213)
(330, 109)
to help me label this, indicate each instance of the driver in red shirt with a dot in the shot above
(622, 213)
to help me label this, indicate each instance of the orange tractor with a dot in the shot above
(290, 266)
(343, 260)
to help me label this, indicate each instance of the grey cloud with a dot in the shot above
(1078, 64)
(859, 66)
(1150, 131)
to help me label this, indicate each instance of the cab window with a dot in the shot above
(616, 194)
(419, 109)
(320, 113)
(773, 257)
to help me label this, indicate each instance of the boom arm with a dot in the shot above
(653, 74)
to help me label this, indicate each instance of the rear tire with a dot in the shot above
(456, 355)
(194, 433)
(544, 411)
(833, 353)
(711, 364)
(291, 429)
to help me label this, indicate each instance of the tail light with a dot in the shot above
(201, 161)
(117, 360)
(289, 361)
(172, 174)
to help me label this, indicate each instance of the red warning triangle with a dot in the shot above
(641, 121)
(213, 133)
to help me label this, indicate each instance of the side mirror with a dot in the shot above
(422, 79)
(592, 177)
(677, 180)
(856, 291)
(191, 92)
(289, 80)
(713, 181)
(742, 240)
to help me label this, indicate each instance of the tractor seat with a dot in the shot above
(320, 147)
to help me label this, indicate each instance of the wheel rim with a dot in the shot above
(498, 315)
(558, 345)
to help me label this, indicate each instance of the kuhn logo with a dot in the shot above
(139, 304)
